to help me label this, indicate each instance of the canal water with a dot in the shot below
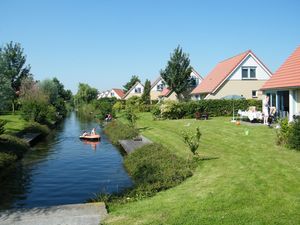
(64, 170)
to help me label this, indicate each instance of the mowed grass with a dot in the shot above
(252, 181)
(15, 123)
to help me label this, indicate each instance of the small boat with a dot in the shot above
(95, 137)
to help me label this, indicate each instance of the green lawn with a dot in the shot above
(15, 123)
(252, 181)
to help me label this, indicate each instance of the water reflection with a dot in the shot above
(93, 144)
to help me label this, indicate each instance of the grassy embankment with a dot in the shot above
(12, 147)
(252, 181)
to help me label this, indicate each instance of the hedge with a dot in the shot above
(216, 107)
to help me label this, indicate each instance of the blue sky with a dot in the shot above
(103, 43)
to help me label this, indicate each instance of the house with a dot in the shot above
(117, 93)
(283, 87)
(243, 75)
(136, 90)
(160, 90)
(113, 93)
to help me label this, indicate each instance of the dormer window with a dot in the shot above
(138, 90)
(194, 82)
(248, 73)
(160, 87)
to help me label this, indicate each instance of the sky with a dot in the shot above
(105, 42)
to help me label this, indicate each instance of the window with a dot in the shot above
(254, 94)
(138, 90)
(248, 73)
(194, 82)
(112, 94)
(244, 73)
(160, 87)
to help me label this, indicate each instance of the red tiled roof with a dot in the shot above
(119, 92)
(165, 92)
(288, 74)
(219, 74)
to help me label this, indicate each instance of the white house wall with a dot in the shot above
(261, 73)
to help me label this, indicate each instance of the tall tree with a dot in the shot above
(49, 87)
(14, 68)
(130, 83)
(85, 93)
(146, 93)
(177, 72)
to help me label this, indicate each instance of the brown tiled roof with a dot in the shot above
(219, 74)
(288, 74)
(119, 92)
(165, 92)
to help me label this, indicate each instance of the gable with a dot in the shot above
(137, 86)
(250, 62)
(159, 83)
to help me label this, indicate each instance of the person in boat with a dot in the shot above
(93, 132)
(85, 134)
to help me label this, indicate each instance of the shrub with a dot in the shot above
(116, 131)
(6, 159)
(131, 115)
(283, 132)
(38, 111)
(35, 127)
(13, 145)
(216, 107)
(172, 110)
(294, 135)
(192, 139)
(118, 106)
(154, 168)
(2, 126)
(104, 106)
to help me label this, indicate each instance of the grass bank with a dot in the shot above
(153, 168)
(15, 123)
(12, 147)
(253, 181)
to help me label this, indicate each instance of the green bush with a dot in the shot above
(153, 168)
(116, 131)
(294, 135)
(283, 132)
(6, 159)
(192, 140)
(38, 111)
(13, 145)
(118, 106)
(215, 107)
(34, 127)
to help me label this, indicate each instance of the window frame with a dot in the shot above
(254, 96)
(248, 68)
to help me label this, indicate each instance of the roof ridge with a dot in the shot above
(248, 51)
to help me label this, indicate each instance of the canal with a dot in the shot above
(63, 169)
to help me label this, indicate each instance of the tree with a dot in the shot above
(50, 88)
(130, 83)
(6, 93)
(35, 103)
(192, 140)
(14, 68)
(85, 93)
(177, 72)
(146, 93)
(66, 95)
